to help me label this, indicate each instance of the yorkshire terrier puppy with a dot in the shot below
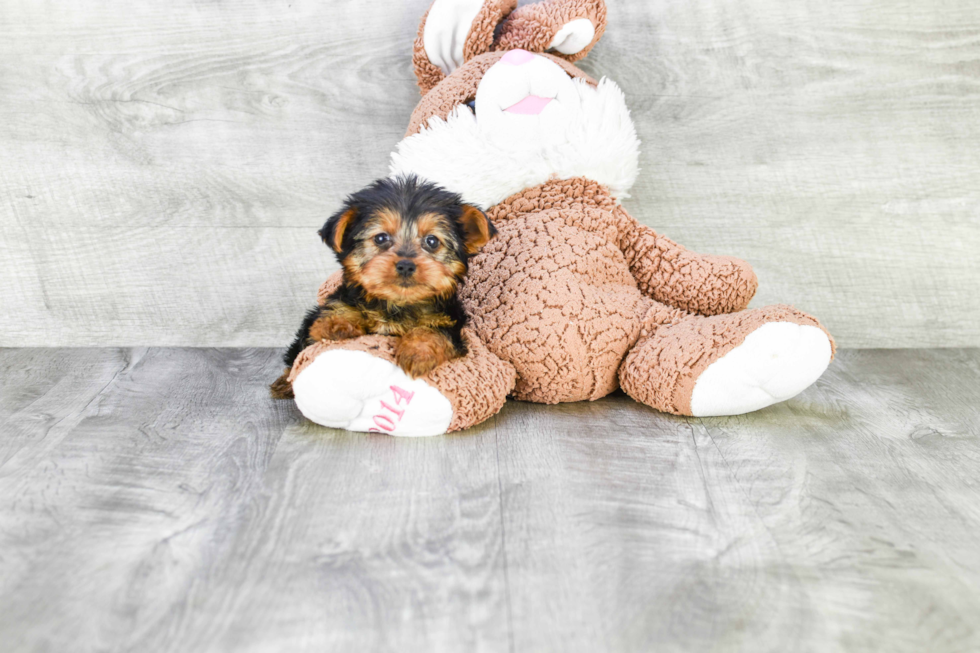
(404, 245)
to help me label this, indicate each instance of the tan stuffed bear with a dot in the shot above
(574, 298)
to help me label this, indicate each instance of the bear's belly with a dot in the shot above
(559, 303)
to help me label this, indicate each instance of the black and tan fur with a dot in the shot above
(404, 246)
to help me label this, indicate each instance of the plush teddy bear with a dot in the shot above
(574, 298)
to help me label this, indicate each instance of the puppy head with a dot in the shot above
(406, 241)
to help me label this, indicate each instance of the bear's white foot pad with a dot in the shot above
(356, 391)
(774, 363)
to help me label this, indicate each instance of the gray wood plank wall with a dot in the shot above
(164, 166)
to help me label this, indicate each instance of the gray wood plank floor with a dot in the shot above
(157, 500)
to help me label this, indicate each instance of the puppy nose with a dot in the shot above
(517, 57)
(405, 268)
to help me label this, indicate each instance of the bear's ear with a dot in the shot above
(566, 28)
(573, 37)
(477, 229)
(451, 33)
(333, 231)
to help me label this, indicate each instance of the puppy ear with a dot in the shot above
(477, 228)
(333, 231)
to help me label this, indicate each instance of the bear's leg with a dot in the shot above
(725, 364)
(356, 385)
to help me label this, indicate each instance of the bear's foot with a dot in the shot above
(356, 385)
(774, 363)
(727, 364)
(356, 391)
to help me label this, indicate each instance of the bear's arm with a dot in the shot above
(673, 275)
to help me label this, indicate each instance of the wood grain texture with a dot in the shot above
(157, 500)
(164, 168)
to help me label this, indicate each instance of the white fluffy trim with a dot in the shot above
(599, 143)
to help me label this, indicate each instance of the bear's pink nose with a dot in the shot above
(517, 57)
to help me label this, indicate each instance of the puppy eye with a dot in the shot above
(382, 239)
(431, 242)
(472, 105)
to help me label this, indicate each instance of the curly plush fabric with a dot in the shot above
(574, 297)
(499, 28)
(476, 385)
(534, 26)
(481, 36)
(331, 284)
(560, 292)
(662, 369)
(558, 302)
(427, 73)
(669, 273)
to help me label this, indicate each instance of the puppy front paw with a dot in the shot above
(416, 363)
(334, 327)
(422, 350)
